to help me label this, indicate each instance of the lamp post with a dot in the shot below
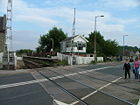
(95, 30)
(124, 45)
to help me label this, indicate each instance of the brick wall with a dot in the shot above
(2, 32)
(3, 23)
(2, 41)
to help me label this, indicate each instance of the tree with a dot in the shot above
(99, 43)
(23, 51)
(103, 47)
(111, 48)
(128, 50)
(50, 40)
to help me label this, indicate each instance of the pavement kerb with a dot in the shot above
(30, 70)
(15, 71)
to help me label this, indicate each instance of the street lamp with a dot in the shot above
(124, 44)
(95, 30)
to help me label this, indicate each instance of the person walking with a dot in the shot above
(127, 67)
(132, 64)
(136, 67)
(139, 74)
(131, 59)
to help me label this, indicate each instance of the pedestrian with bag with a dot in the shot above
(136, 67)
(127, 67)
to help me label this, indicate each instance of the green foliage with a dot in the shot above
(128, 50)
(110, 48)
(62, 62)
(99, 43)
(93, 62)
(50, 40)
(23, 51)
(103, 47)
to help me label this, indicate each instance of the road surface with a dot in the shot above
(100, 84)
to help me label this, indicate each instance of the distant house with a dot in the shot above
(137, 53)
(132, 53)
(74, 44)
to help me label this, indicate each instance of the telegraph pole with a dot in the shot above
(73, 34)
(73, 29)
(9, 24)
(124, 46)
(9, 30)
(95, 30)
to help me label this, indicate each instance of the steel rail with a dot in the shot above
(93, 88)
(64, 89)
(90, 87)
(102, 80)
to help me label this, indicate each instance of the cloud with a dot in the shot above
(55, 16)
(35, 19)
(59, 13)
(121, 4)
(131, 41)
(86, 22)
(126, 21)
(28, 13)
(57, 3)
(3, 6)
(25, 39)
(63, 17)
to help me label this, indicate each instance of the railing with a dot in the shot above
(77, 59)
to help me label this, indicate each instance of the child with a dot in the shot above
(127, 67)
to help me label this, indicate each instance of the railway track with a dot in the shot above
(81, 99)
(93, 78)
(65, 89)
(32, 64)
(93, 90)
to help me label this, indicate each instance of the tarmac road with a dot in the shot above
(100, 84)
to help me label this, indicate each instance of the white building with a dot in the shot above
(75, 44)
(137, 54)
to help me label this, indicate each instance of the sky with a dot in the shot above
(33, 18)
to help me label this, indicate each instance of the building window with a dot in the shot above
(11, 59)
(80, 45)
(68, 44)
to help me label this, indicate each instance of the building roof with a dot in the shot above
(73, 37)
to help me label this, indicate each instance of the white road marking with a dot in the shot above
(37, 76)
(22, 83)
(138, 102)
(67, 75)
(83, 72)
(57, 77)
(96, 90)
(60, 103)
(52, 78)
(110, 83)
